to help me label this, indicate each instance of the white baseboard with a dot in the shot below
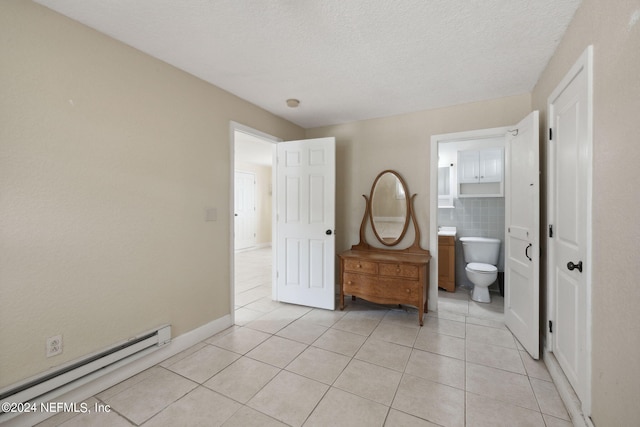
(119, 372)
(566, 392)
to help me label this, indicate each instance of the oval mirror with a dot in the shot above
(389, 208)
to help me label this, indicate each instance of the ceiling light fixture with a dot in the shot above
(292, 103)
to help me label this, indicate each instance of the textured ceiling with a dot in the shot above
(345, 60)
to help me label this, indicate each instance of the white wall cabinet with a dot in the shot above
(480, 165)
(481, 172)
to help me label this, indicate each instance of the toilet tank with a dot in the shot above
(481, 249)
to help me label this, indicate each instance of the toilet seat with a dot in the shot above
(482, 268)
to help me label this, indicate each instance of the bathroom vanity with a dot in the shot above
(447, 259)
(386, 275)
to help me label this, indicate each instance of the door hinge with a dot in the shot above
(550, 230)
(550, 134)
(550, 326)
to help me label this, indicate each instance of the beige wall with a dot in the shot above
(263, 199)
(108, 159)
(613, 27)
(402, 143)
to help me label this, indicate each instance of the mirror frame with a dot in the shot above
(407, 210)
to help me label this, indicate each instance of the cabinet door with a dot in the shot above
(468, 166)
(491, 165)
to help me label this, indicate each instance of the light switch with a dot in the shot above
(211, 214)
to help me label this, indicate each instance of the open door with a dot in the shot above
(305, 222)
(522, 223)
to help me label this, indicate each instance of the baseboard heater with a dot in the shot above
(84, 368)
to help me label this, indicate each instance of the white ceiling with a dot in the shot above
(345, 60)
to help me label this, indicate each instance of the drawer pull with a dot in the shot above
(359, 265)
(349, 282)
(408, 291)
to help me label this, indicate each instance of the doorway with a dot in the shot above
(252, 158)
(471, 216)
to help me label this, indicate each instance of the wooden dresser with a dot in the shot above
(386, 277)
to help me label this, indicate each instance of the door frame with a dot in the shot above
(433, 196)
(584, 63)
(233, 128)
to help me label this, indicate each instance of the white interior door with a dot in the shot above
(305, 222)
(245, 210)
(568, 246)
(522, 241)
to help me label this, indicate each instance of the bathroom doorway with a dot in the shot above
(515, 188)
(465, 210)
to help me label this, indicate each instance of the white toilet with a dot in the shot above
(481, 255)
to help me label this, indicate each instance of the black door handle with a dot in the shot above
(526, 252)
(328, 232)
(571, 266)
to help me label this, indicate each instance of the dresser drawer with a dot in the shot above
(400, 291)
(358, 283)
(400, 270)
(360, 266)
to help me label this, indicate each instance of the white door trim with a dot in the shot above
(433, 197)
(584, 63)
(233, 128)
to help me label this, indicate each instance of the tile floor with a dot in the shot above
(369, 365)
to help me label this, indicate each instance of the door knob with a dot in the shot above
(571, 266)
(328, 232)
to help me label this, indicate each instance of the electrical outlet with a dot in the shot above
(54, 346)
